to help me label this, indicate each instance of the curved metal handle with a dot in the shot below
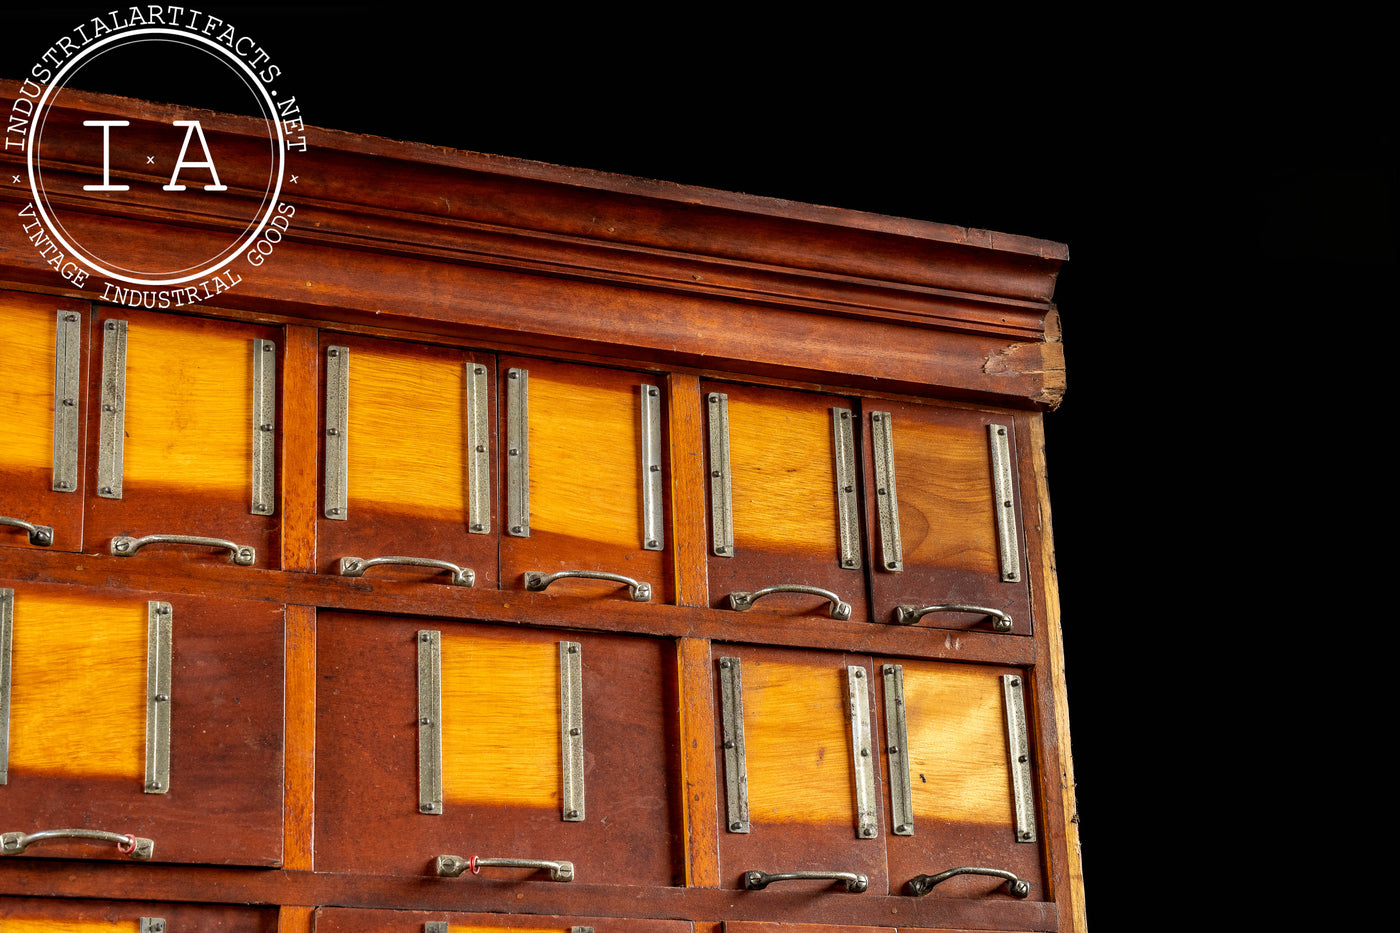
(855, 882)
(450, 866)
(922, 884)
(356, 567)
(41, 535)
(537, 582)
(908, 615)
(840, 609)
(241, 554)
(136, 847)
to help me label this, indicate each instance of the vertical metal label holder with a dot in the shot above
(1005, 503)
(571, 729)
(112, 424)
(518, 452)
(478, 451)
(159, 637)
(7, 621)
(264, 496)
(653, 523)
(1019, 752)
(67, 392)
(430, 722)
(721, 497)
(736, 777)
(897, 732)
(848, 513)
(886, 496)
(862, 752)
(337, 433)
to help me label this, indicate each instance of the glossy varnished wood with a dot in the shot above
(224, 801)
(27, 395)
(367, 752)
(784, 496)
(409, 463)
(585, 486)
(188, 428)
(586, 279)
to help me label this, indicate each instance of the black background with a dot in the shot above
(1228, 203)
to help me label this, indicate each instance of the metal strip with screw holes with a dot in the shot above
(847, 511)
(862, 752)
(160, 625)
(436, 926)
(264, 498)
(430, 722)
(653, 521)
(112, 425)
(67, 390)
(721, 497)
(897, 732)
(1005, 504)
(1019, 750)
(7, 623)
(478, 450)
(518, 452)
(571, 728)
(886, 496)
(337, 484)
(736, 774)
(152, 925)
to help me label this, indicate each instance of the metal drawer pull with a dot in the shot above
(908, 615)
(742, 601)
(42, 535)
(451, 866)
(135, 847)
(855, 882)
(241, 554)
(537, 582)
(922, 884)
(356, 567)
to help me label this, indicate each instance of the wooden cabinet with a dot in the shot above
(559, 552)
(457, 739)
(151, 716)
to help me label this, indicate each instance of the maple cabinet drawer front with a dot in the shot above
(140, 726)
(407, 441)
(799, 778)
(585, 473)
(353, 920)
(41, 476)
(784, 502)
(461, 740)
(51, 915)
(944, 512)
(182, 439)
(971, 798)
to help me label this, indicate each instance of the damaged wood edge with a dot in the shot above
(1043, 361)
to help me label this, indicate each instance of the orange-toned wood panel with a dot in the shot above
(947, 510)
(802, 784)
(784, 499)
(79, 696)
(501, 768)
(188, 428)
(27, 493)
(585, 481)
(961, 783)
(409, 466)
